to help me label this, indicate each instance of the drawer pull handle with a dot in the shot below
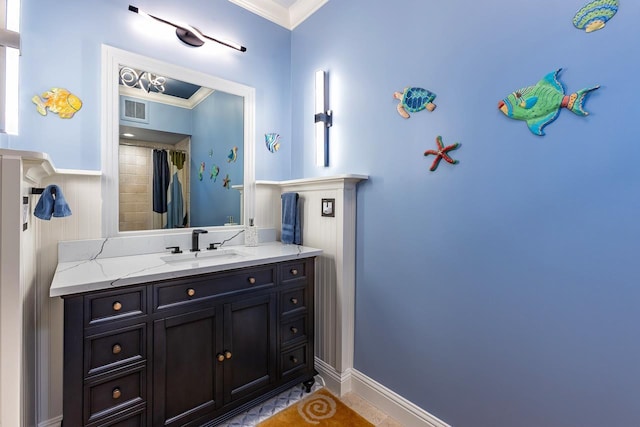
(294, 272)
(227, 354)
(116, 393)
(220, 357)
(252, 280)
(294, 359)
(116, 349)
(294, 301)
(117, 306)
(294, 330)
(191, 292)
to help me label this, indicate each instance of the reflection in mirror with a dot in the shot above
(175, 144)
(181, 150)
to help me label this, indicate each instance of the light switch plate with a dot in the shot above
(328, 207)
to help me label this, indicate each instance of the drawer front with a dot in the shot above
(110, 350)
(293, 331)
(113, 395)
(137, 420)
(293, 270)
(193, 290)
(115, 305)
(293, 301)
(294, 360)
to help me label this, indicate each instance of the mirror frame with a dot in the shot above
(112, 59)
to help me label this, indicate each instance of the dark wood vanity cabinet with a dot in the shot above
(193, 351)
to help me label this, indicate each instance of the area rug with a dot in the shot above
(321, 409)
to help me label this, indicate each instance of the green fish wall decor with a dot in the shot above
(540, 105)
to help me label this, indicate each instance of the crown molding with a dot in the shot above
(288, 18)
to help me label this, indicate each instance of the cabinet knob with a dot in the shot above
(227, 354)
(252, 280)
(220, 357)
(294, 272)
(116, 393)
(117, 306)
(294, 301)
(294, 359)
(116, 349)
(294, 330)
(191, 292)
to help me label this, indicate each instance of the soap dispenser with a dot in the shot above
(251, 234)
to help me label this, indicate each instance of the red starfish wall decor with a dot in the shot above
(441, 153)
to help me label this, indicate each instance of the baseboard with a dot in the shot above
(338, 383)
(388, 401)
(53, 422)
(391, 403)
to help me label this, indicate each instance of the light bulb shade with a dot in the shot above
(189, 35)
(323, 121)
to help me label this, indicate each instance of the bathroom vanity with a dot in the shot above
(184, 340)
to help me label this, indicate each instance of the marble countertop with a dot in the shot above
(106, 273)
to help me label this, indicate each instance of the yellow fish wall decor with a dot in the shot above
(59, 101)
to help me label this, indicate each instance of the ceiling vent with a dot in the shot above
(135, 111)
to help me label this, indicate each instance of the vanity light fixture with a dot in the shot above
(323, 121)
(188, 34)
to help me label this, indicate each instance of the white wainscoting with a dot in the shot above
(335, 268)
(83, 195)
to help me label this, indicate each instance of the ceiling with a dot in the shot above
(286, 13)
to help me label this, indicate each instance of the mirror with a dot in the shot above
(198, 146)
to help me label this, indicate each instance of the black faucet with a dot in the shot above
(195, 235)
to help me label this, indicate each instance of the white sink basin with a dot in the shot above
(213, 255)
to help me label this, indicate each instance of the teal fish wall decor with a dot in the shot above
(215, 170)
(414, 99)
(201, 171)
(540, 105)
(273, 141)
(595, 14)
(233, 155)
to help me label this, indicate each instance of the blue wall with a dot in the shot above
(61, 48)
(502, 291)
(498, 292)
(161, 117)
(218, 126)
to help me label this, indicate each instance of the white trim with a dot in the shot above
(288, 18)
(391, 403)
(338, 383)
(189, 104)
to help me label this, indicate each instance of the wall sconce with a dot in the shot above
(188, 34)
(323, 121)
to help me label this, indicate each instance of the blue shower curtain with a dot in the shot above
(160, 180)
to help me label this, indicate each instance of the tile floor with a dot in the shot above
(291, 396)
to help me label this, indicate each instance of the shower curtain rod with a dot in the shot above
(151, 145)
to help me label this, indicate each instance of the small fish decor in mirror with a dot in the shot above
(59, 101)
(414, 99)
(273, 141)
(595, 14)
(201, 171)
(215, 170)
(442, 153)
(233, 155)
(226, 182)
(540, 105)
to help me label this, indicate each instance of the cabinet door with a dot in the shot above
(250, 341)
(186, 368)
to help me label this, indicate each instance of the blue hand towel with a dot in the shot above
(51, 202)
(290, 219)
(60, 206)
